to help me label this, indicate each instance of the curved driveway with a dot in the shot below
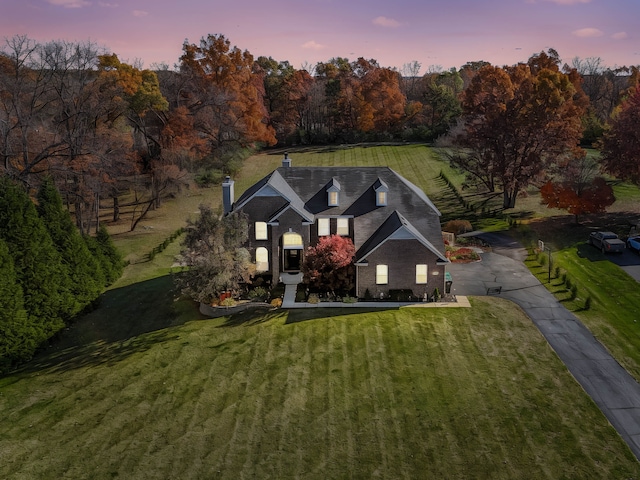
(609, 385)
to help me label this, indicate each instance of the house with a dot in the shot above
(394, 226)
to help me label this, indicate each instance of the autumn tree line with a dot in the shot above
(108, 136)
(107, 132)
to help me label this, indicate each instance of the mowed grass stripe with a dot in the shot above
(411, 393)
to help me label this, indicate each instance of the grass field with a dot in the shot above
(407, 393)
(145, 387)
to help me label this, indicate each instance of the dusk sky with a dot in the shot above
(447, 33)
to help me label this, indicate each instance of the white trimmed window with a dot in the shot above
(324, 228)
(421, 274)
(333, 198)
(262, 259)
(381, 199)
(261, 231)
(382, 274)
(343, 227)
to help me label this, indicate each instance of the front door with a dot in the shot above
(292, 260)
(291, 252)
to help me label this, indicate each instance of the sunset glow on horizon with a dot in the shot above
(445, 34)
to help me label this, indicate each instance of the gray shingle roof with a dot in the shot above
(306, 190)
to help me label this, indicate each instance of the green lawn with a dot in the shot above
(410, 393)
(145, 387)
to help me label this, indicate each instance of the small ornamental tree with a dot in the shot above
(580, 191)
(215, 259)
(328, 266)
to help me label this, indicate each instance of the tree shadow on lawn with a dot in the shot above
(562, 231)
(114, 330)
(305, 314)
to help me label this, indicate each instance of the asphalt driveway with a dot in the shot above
(629, 261)
(609, 385)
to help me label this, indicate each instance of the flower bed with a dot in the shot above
(462, 254)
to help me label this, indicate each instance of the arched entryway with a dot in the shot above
(292, 248)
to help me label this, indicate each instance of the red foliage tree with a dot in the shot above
(577, 198)
(328, 266)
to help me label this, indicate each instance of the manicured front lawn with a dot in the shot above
(411, 393)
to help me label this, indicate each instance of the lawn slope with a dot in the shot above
(410, 393)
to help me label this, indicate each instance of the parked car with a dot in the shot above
(607, 242)
(633, 243)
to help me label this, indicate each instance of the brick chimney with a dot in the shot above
(286, 161)
(227, 195)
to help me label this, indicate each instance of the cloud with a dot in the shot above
(140, 13)
(70, 3)
(386, 22)
(588, 33)
(312, 45)
(619, 36)
(108, 5)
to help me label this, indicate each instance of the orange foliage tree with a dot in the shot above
(517, 121)
(621, 142)
(224, 94)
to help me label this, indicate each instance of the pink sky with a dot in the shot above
(447, 33)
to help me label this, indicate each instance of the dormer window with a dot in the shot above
(333, 190)
(381, 190)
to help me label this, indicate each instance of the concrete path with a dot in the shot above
(609, 385)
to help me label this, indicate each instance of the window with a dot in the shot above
(261, 231)
(262, 259)
(333, 189)
(382, 274)
(333, 199)
(323, 227)
(343, 226)
(381, 189)
(292, 241)
(421, 274)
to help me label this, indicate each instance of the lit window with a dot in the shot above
(381, 189)
(262, 259)
(421, 274)
(343, 226)
(292, 241)
(333, 199)
(323, 227)
(261, 231)
(382, 274)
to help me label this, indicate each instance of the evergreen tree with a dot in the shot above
(37, 263)
(16, 334)
(103, 249)
(83, 270)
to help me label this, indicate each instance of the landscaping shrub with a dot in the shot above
(458, 226)
(276, 302)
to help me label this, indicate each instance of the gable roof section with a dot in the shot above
(274, 184)
(395, 227)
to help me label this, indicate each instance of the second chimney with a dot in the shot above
(227, 195)
(286, 161)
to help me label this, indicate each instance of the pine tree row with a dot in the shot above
(49, 272)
